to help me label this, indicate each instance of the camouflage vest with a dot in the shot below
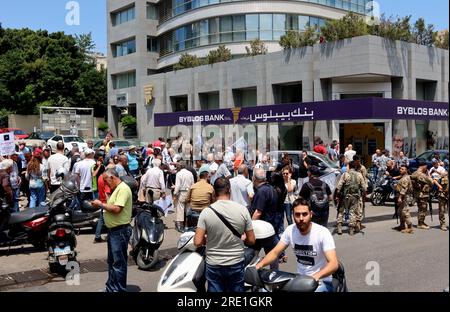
(351, 184)
(421, 187)
(444, 183)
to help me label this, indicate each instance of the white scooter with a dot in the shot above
(186, 272)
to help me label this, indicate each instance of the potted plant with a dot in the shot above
(102, 129)
(129, 126)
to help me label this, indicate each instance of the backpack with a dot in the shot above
(318, 199)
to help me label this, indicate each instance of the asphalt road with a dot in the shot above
(378, 260)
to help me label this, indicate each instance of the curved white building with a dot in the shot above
(147, 37)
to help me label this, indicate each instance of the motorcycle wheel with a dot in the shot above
(376, 199)
(58, 268)
(146, 264)
(40, 244)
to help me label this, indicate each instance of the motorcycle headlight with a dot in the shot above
(183, 241)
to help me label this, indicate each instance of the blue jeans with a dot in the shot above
(325, 286)
(16, 195)
(288, 212)
(118, 259)
(37, 196)
(98, 229)
(225, 278)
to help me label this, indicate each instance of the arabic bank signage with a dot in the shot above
(371, 108)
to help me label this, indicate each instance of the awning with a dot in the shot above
(368, 108)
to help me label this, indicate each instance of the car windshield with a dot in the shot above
(122, 143)
(45, 135)
(73, 139)
(324, 159)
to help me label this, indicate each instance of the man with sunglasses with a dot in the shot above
(313, 246)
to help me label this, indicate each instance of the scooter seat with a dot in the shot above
(27, 215)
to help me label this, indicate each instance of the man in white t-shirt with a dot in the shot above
(83, 170)
(55, 162)
(313, 246)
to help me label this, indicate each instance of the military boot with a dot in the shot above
(443, 227)
(399, 228)
(408, 230)
(351, 231)
(423, 226)
(339, 229)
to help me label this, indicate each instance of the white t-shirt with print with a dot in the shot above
(309, 249)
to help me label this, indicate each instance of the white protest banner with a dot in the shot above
(7, 146)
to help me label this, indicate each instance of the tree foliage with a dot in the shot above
(221, 54)
(441, 40)
(257, 47)
(53, 69)
(423, 34)
(187, 61)
(351, 25)
(295, 39)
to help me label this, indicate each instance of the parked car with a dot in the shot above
(42, 135)
(37, 139)
(69, 142)
(19, 134)
(428, 157)
(330, 172)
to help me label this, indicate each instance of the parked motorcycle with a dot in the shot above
(62, 241)
(147, 236)
(25, 227)
(186, 272)
(384, 192)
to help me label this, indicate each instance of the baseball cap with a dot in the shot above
(203, 168)
(88, 151)
(37, 152)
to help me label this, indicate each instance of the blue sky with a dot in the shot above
(51, 15)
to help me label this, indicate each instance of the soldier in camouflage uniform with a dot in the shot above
(422, 184)
(351, 187)
(362, 202)
(443, 199)
(404, 190)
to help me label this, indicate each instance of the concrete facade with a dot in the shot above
(361, 65)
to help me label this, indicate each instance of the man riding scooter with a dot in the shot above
(313, 246)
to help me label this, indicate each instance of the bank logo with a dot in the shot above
(236, 112)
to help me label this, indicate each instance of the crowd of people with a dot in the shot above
(279, 192)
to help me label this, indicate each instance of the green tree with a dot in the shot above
(257, 47)
(400, 29)
(39, 68)
(294, 39)
(187, 61)
(221, 54)
(422, 34)
(351, 25)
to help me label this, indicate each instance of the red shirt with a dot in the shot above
(103, 190)
(320, 149)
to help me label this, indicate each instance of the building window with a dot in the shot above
(234, 28)
(177, 7)
(245, 97)
(124, 48)
(123, 16)
(152, 11)
(152, 44)
(210, 100)
(124, 80)
(179, 103)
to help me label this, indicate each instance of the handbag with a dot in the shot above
(227, 224)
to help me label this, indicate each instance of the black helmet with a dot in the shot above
(69, 185)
